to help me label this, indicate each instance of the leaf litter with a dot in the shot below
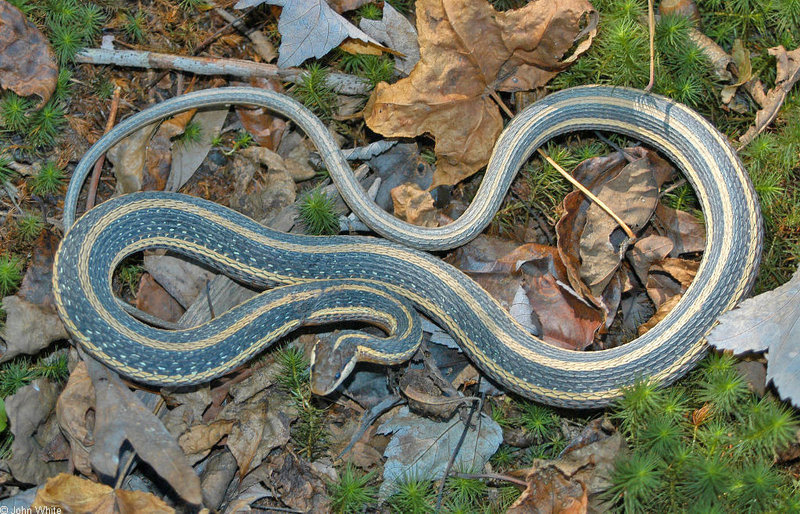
(469, 51)
(232, 425)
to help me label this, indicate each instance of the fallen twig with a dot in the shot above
(588, 194)
(98, 166)
(339, 82)
(475, 407)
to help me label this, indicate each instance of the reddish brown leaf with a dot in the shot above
(266, 129)
(154, 299)
(469, 50)
(27, 64)
(554, 310)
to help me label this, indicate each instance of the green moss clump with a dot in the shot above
(705, 445)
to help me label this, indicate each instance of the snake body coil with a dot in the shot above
(361, 275)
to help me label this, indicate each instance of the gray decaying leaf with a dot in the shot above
(187, 157)
(120, 417)
(396, 32)
(29, 328)
(27, 64)
(29, 411)
(309, 28)
(770, 321)
(182, 279)
(421, 447)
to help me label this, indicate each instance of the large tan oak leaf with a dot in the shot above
(468, 51)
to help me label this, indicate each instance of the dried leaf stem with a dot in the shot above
(98, 166)
(651, 25)
(588, 194)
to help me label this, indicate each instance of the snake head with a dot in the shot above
(331, 363)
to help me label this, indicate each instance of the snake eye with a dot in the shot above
(338, 376)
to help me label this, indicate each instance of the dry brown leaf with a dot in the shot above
(261, 199)
(299, 484)
(120, 417)
(414, 205)
(358, 47)
(256, 431)
(787, 75)
(686, 233)
(27, 64)
(142, 161)
(741, 57)
(154, 299)
(681, 270)
(469, 50)
(534, 274)
(32, 322)
(551, 491)
(70, 493)
(199, 439)
(646, 251)
(632, 195)
(266, 129)
(590, 173)
(37, 285)
(565, 319)
(181, 278)
(188, 156)
(75, 412)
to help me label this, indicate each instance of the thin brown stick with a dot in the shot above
(651, 24)
(98, 166)
(499, 101)
(588, 194)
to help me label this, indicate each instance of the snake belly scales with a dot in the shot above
(326, 279)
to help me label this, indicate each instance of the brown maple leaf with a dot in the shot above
(468, 51)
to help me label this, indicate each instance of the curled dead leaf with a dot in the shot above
(69, 493)
(468, 51)
(120, 417)
(788, 74)
(414, 205)
(74, 410)
(551, 490)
